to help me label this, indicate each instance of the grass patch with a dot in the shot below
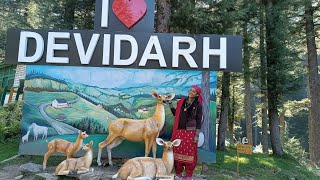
(81, 110)
(9, 149)
(38, 98)
(258, 166)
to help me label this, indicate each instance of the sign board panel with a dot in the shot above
(124, 50)
(244, 148)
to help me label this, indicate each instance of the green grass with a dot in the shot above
(80, 110)
(144, 102)
(38, 98)
(258, 166)
(23, 159)
(8, 149)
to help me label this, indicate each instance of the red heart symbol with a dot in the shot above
(129, 12)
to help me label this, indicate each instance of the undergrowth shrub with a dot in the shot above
(10, 121)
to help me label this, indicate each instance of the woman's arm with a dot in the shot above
(198, 123)
(199, 117)
(173, 110)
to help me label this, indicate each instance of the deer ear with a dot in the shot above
(79, 131)
(170, 96)
(91, 142)
(160, 141)
(154, 94)
(176, 142)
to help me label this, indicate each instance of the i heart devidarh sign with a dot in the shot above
(123, 37)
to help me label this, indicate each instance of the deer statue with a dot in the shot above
(146, 130)
(63, 146)
(150, 168)
(77, 165)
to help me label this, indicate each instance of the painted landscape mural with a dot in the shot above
(59, 101)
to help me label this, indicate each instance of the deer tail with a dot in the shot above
(115, 176)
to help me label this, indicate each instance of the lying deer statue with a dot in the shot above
(63, 146)
(77, 165)
(146, 130)
(150, 168)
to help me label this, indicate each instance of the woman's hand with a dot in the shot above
(196, 136)
(195, 139)
(170, 103)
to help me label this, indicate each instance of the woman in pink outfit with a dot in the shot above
(187, 125)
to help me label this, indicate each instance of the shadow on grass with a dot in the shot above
(258, 166)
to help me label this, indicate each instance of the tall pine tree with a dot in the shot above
(314, 85)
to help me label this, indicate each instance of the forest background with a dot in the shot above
(274, 102)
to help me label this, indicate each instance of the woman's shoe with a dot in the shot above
(187, 178)
(178, 177)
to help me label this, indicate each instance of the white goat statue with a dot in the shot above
(25, 137)
(37, 130)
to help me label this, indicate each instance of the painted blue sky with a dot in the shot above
(115, 77)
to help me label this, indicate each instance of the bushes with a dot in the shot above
(293, 147)
(10, 121)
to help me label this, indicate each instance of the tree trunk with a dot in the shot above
(310, 129)
(275, 132)
(88, 17)
(69, 10)
(163, 16)
(206, 108)
(231, 118)
(282, 125)
(313, 84)
(255, 139)
(221, 145)
(263, 81)
(273, 79)
(311, 141)
(246, 70)
(254, 125)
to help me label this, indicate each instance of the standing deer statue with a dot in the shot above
(63, 146)
(146, 130)
(150, 168)
(77, 165)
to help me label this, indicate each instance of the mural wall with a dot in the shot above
(59, 101)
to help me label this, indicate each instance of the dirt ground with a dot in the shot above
(11, 171)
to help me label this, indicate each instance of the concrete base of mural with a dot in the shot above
(123, 150)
